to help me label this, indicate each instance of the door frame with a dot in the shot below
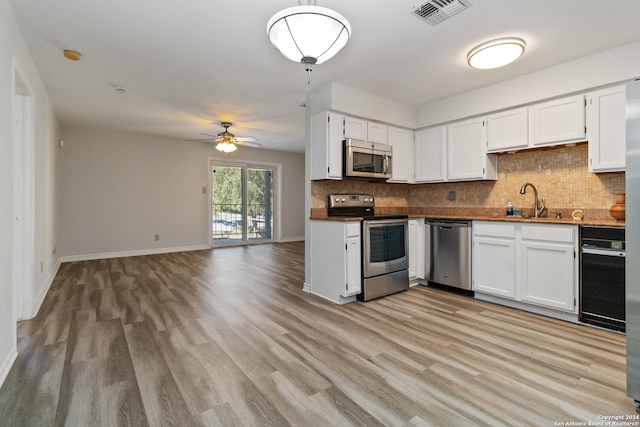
(277, 199)
(23, 161)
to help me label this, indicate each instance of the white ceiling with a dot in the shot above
(189, 64)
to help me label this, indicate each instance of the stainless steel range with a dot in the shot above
(385, 260)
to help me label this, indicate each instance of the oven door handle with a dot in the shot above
(603, 252)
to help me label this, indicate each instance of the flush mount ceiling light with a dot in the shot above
(496, 53)
(308, 34)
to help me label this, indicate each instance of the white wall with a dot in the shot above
(340, 98)
(13, 48)
(601, 69)
(117, 190)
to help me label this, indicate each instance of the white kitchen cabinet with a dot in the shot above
(353, 269)
(402, 162)
(336, 270)
(494, 259)
(416, 248)
(430, 154)
(548, 266)
(467, 157)
(377, 132)
(508, 130)
(606, 121)
(559, 121)
(326, 145)
(533, 265)
(354, 128)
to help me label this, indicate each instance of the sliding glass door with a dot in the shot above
(242, 203)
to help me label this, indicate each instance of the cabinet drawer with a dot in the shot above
(352, 230)
(547, 233)
(494, 229)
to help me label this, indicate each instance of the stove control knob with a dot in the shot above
(337, 199)
(343, 200)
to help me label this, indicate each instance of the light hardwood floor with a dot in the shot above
(227, 337)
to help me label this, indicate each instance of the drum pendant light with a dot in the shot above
(308, 34)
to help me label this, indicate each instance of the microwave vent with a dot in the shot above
(436, 11)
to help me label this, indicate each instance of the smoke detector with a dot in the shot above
(434, 12)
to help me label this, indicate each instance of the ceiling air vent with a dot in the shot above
(436, 11)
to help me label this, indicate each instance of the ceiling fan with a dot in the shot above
(227, 141)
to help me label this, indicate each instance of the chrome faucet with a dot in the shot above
(537, 211)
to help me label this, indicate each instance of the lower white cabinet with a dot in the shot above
(416, 248)
(353, 269)
(494, 258)
(548, 264)
(336, 266)
(530, 263)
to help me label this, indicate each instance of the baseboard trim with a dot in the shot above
(291, 239)
(7, 364)
(43, 292)
(91, 257)
(543, 311)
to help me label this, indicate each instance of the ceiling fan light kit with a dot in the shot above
(308, 34)
(496, 53)
(227, 141)
(226, 147)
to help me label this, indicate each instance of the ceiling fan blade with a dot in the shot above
(206, 134)
(246, 139)
(200, 139)
(249, 143)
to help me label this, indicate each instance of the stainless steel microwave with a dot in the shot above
(366, 160)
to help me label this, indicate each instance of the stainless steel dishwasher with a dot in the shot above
(448, 253)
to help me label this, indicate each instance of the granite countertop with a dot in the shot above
(593, 217)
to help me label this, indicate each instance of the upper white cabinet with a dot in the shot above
(508, 130)
(455, 152)
(377, 132)
(430, 154)
(327, 131)
(467, 151)
(606, 115)
(558, 121)
(402, 161)
(354, 128)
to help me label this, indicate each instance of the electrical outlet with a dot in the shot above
(156, 237)
(55, 250)
(204, 188)
(41, 266)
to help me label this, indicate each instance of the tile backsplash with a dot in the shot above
(560, 175)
